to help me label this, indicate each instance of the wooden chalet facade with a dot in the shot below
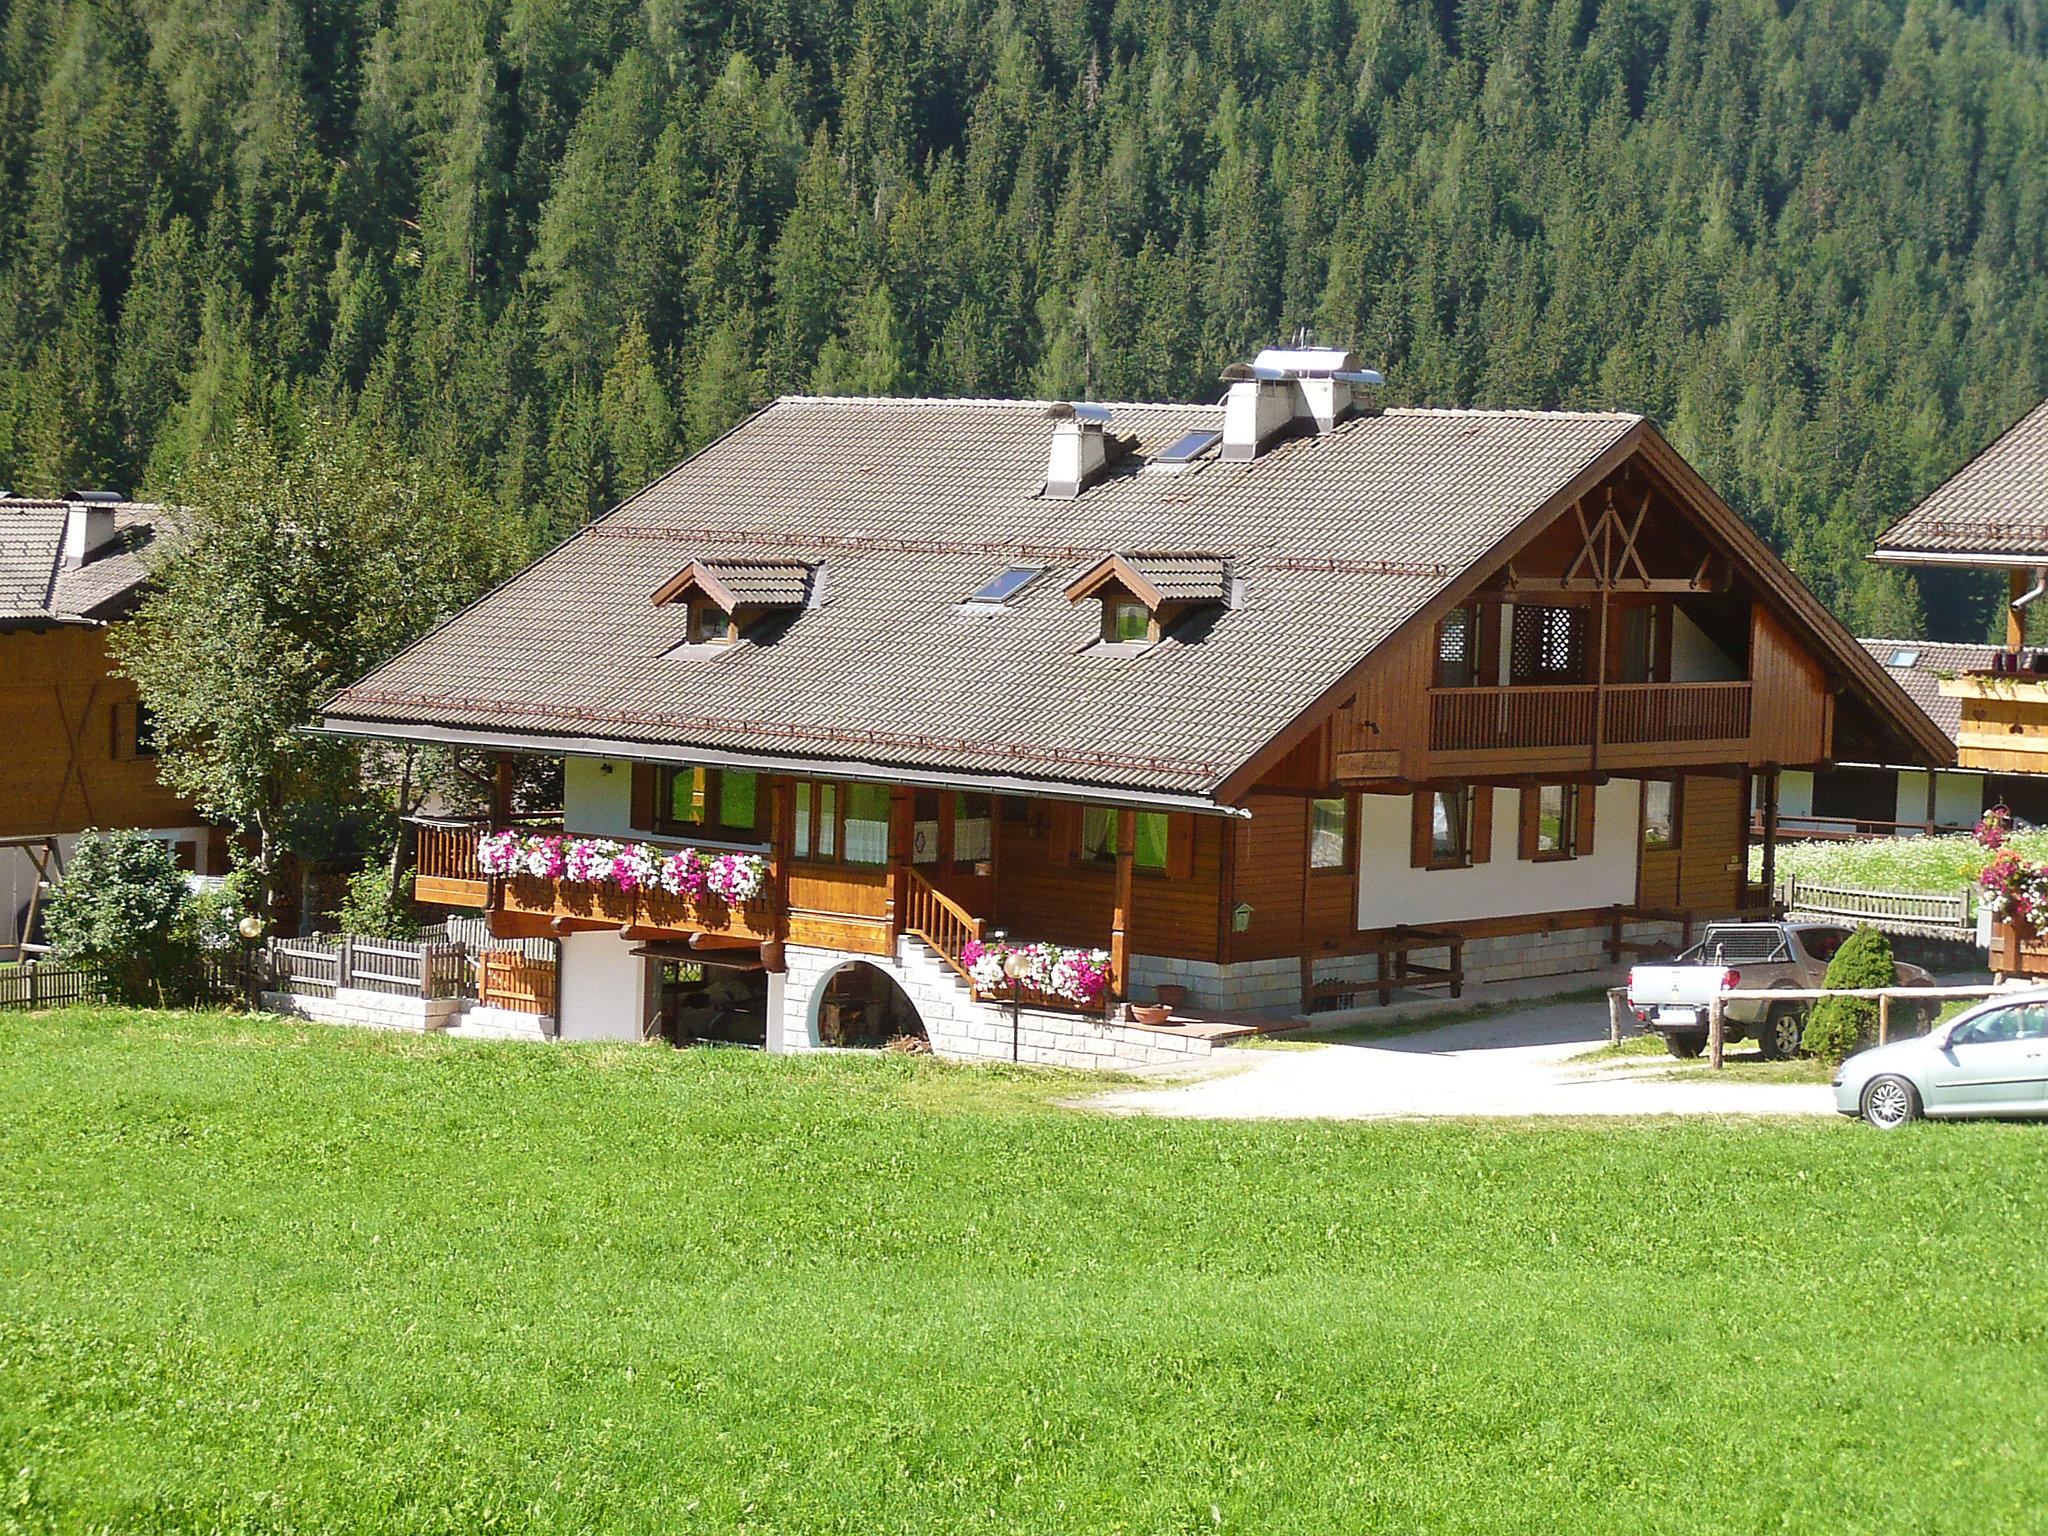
(1283, 703)
(78, 742)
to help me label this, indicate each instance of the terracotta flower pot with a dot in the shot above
(1152, 1015)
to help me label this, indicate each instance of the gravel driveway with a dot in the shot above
(1518, 1063)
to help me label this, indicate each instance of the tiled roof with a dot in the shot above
(764, 583)
(1185, 578)
(1995, 505)
(36, 588)
(910, 506)
(1918, 666)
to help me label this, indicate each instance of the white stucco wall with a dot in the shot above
(1695, 658)
(596, 803)
(602, 988)
(1390, 892)
(1795, 793)
(1958, 798)
(18, 871)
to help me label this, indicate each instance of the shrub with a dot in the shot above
(369, 910)
(1840, 1026)
(124, 906)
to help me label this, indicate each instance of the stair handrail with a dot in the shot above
(940, 921)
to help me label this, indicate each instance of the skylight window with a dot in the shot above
(1001, 588)
(1905, 658)
(1188, 446)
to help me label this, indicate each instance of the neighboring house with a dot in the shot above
(1257, 696)
(78, 750)
(1992, 515)
(1876, 800)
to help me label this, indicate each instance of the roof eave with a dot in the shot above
(855, 770)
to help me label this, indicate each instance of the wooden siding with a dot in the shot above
(1705, 873)
(69, 727)
(839, 906)
(1042, 891)
(1791, 710)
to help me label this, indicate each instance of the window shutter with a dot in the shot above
(1421, 832)
(1530, 798)
(1180, 847)
(1582, 837)
(645, 778)
(117, 737)
(1482, 823)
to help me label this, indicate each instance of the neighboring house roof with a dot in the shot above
(1334, 542)
(1993, 509)
(1918, 666)
(37, 588)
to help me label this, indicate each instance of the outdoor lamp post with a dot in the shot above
(1013, 968)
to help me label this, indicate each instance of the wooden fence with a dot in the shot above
(320, 967)
(506, 978)
(1937, 915)
(39, 984)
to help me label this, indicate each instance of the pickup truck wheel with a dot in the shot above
(1778, 1036)
(1890, 1102)
(1685, 1043)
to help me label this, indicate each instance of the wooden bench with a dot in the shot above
(1396, 968)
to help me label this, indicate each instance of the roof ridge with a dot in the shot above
(1511, 410)
(994, 400)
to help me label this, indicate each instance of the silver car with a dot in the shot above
(1991, 1060)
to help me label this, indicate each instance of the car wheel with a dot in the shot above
(1890, 1102)
(1685, 1043)
(1778, 1035)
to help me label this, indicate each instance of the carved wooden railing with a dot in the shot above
(1651, 712)
(939, 920)
(1491, 719)
(447, 850)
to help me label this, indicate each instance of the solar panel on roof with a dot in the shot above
(1003, 587)
(1188, 445)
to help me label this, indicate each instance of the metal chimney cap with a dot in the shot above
(1083, 411)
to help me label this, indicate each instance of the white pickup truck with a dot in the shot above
(1675, 998)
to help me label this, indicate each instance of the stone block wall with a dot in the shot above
(371, 1010)
(961, 1028)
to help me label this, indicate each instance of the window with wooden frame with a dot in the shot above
(1329, 833)
(720, 804)
(817, 819)
(1452, 827)
(840, 823)
(1124, 620)
(711, 624)
(1457, 648)
(1152, 837)
(1557, 822)
(1663, 812)
(145, 730)
(973, 828)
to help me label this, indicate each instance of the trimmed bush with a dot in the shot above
(123, 906)
(1839, 1027)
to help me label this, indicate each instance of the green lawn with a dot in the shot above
(263, 1277)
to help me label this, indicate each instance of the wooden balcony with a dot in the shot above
(2004, 727)
(1481, 730)
(448, 874)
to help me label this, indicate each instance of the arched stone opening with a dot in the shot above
(859, 1005)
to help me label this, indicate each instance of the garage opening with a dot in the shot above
(861, 1007)
(697, 1002)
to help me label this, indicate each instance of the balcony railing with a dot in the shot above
(1536, 718)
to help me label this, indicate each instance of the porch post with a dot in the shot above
(2015, 618)
(902, 829)
(501, 790)
(1771, 835)
(1120, 919)
(781, 848)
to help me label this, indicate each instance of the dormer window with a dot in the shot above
(1124, 619)
(726, 598)
(1145, 595)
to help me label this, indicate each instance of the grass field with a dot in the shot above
(265, 1277)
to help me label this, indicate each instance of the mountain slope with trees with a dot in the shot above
(546, 246)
